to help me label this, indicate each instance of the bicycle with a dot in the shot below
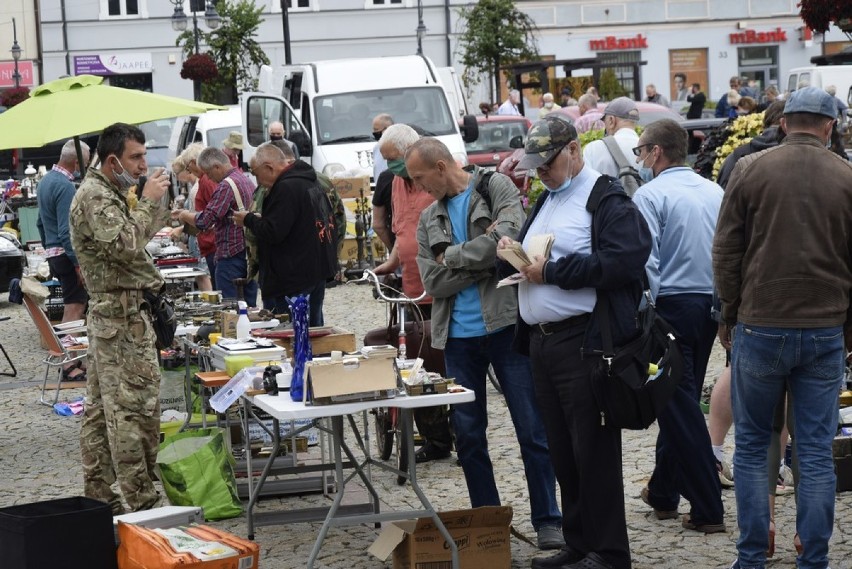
(387, 427)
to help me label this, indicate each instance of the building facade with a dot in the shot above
(132, 43)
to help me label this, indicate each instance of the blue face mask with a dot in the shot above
(646, 173)
(564, 186)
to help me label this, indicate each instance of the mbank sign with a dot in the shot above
(610, 43)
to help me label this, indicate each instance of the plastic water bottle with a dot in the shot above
(243, 324)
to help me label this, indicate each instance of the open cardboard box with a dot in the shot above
(481, 535)
(351, 379)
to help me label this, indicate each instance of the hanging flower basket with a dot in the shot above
(199, 67)
(820, 14)
(11, 97)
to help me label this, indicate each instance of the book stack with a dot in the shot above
(514, 254)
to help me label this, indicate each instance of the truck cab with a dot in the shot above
(327, 108)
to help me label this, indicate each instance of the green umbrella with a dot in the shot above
(74, 106)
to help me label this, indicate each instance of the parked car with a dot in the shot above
(495, 133)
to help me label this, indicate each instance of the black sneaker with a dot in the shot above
(430, 452)
(565, 556)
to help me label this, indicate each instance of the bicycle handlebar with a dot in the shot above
(370, 276)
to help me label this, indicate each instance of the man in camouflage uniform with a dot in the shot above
(119, 434)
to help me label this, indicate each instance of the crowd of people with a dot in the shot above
(275, 228)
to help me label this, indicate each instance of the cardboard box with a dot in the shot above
(349, 251)
(481, 535)
(427, 388)
(352, 187)
(352, 379)
(339, 339)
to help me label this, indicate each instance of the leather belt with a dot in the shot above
(548, 328)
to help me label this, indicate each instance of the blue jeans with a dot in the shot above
(467, 361)
(810, 361)
(230, 268)
(316, 295)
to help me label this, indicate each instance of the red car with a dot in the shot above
(495, 133)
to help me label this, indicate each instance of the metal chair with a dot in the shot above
(58, 354)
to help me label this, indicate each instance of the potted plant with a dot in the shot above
(199, 67)
(820, 14)
(11, 97)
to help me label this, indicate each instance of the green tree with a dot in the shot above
(494, 33)
(234, 49)
(610, 87)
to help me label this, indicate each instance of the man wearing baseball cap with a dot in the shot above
(620, 118)
(559, 328)
(782, 263)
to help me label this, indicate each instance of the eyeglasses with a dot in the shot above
(549, 164)
(638, 150)
(254, 168)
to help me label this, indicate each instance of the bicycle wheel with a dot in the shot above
(401, 455)
(492, 377)
(384, 433)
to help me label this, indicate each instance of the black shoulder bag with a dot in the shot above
(162, 317)
(633, 383)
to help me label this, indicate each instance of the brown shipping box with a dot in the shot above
(351, 187)
(339, 339)
(481, 535)
(352, 379)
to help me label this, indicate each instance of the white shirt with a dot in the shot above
(564, 214)
(597, 156)
(379, 163)
(508, 108)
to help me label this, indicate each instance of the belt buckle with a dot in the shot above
(542, 327)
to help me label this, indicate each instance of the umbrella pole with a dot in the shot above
(80, 157)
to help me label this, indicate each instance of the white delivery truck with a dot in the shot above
(821, 76)
(327, 108)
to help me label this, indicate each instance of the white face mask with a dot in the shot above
(548, 105)
(124, 179)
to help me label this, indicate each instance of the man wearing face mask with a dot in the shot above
(380, 124)
(119, 434)
(620, 119)
(681, 209)
(558, 327)
(277, 132)
(549, 105)
(789, 316)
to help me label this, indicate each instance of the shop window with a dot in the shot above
(138, 81)
(383, 3)
(295, 5)
(618, 66)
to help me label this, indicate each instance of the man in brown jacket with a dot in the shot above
(782, 259)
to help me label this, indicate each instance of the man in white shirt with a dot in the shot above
(510, 105)
(620, 118)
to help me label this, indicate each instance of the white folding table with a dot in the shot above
(282, 408)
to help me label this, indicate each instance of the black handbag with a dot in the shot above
(633, 384)
(162, 317)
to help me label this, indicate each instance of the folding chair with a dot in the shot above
(58, 354)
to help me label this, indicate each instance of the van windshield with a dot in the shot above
(348, 117)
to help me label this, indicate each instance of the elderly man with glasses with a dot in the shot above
(681, 209)
(596, 258)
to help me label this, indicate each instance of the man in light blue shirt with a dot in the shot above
(681, 209)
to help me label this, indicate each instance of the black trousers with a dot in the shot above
(586, 456)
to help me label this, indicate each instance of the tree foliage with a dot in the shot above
(233, 47)
(494, 33)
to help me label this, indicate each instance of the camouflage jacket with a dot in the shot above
(110, 239)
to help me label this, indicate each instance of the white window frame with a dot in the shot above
(368, 5)
(275, 6)
(105, 15)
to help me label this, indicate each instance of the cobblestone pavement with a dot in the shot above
(39, 460)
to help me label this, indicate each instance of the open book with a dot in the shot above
(519, 258)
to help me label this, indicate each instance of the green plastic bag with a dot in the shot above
(197, 470)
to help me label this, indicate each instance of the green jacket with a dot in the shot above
(109, 239)
(472, 261)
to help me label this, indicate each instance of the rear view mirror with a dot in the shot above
(516, 142)
(469, 129)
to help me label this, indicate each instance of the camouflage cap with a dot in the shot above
(545, 138)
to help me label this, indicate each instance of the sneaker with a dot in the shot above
(726, 475)
(550, 537)
(566, 556)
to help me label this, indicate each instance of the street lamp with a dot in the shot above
(16, 53)
(421, 27)
(179, 21)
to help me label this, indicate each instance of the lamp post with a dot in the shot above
(285, 23)
(16, 53)
(179, 23)
(421, 27)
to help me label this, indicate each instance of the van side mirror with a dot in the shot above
(516, 141)
(469, 129)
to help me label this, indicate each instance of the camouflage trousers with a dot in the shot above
(120, 431)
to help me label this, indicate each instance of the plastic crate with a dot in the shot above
(71, 533)
(54, 309)
(54, 289)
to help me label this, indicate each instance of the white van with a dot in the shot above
(453, 89)
(327, 108)
(210, 129)
(822, 76)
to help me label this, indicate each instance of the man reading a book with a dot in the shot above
(472, 321)
(559, 327)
